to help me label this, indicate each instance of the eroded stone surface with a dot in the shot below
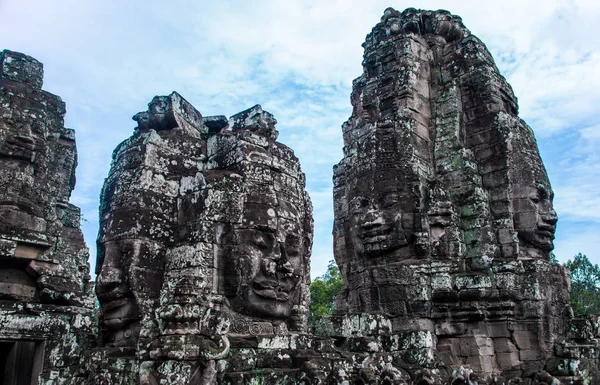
(443, 209)
(443, 232)
(45, 293)
(205, 238)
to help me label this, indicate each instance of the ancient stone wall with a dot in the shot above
(45, 294)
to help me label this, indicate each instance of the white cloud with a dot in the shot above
(297, 59)
(591, 133)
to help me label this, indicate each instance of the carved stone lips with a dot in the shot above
(272, 290)
(115, 304)
(547, 231)
(117, 313)
(375, 239)
(373, 229)
(112, 295)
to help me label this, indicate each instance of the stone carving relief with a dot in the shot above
(440, 190)
(45, 293)
(533, 213)
(206, 232)
(443, 230)
(36, 179)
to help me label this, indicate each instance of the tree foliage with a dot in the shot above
(323, 289)
(585, 285)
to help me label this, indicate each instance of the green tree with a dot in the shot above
(323, 289)
(585, 285)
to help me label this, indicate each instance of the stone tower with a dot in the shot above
(204, 245)
(45, 294)
(443, 231)
(443, 208)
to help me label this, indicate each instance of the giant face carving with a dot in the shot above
(119, 308)
(267, 264)
(380, 220)
(535, 218)
(126, 287)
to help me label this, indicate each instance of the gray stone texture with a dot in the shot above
(443, 209)
(204, 246)
(45, 295)
(443, 231)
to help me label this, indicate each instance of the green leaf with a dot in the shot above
(324, 289)
(585, 285)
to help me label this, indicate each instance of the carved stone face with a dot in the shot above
(378, 218)
(157, 114)
(535, 218)
(125, 287)
(119, 307)
(267, 264)
(376, 223)
(411, 21)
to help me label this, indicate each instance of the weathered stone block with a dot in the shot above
(508, 360)
(21, 68)
(483, 364)
(525, 339)
(275, 358)
(530, 355)
(504, 345)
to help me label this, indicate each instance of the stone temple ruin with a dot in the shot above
(45, 295)
(443, 232)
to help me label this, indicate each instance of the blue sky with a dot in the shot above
(107, 59)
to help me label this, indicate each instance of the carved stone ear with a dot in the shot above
(232, 278)
(230, 275)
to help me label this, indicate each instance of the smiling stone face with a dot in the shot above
(535, 218)
(376, 221)
(119, 307)
(126, 286)
(267, 265)
(381, 215)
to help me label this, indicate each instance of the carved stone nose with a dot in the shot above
(109, 278)
(550, 217)
(269, 267)
(286, 267)
(371, 219)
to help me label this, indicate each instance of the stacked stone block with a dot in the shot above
(45, 294)
(435, 120)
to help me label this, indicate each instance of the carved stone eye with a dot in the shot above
(390, 199)
(359, 204)
(260, 242)
(292, 252)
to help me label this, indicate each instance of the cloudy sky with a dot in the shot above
(107, 59)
